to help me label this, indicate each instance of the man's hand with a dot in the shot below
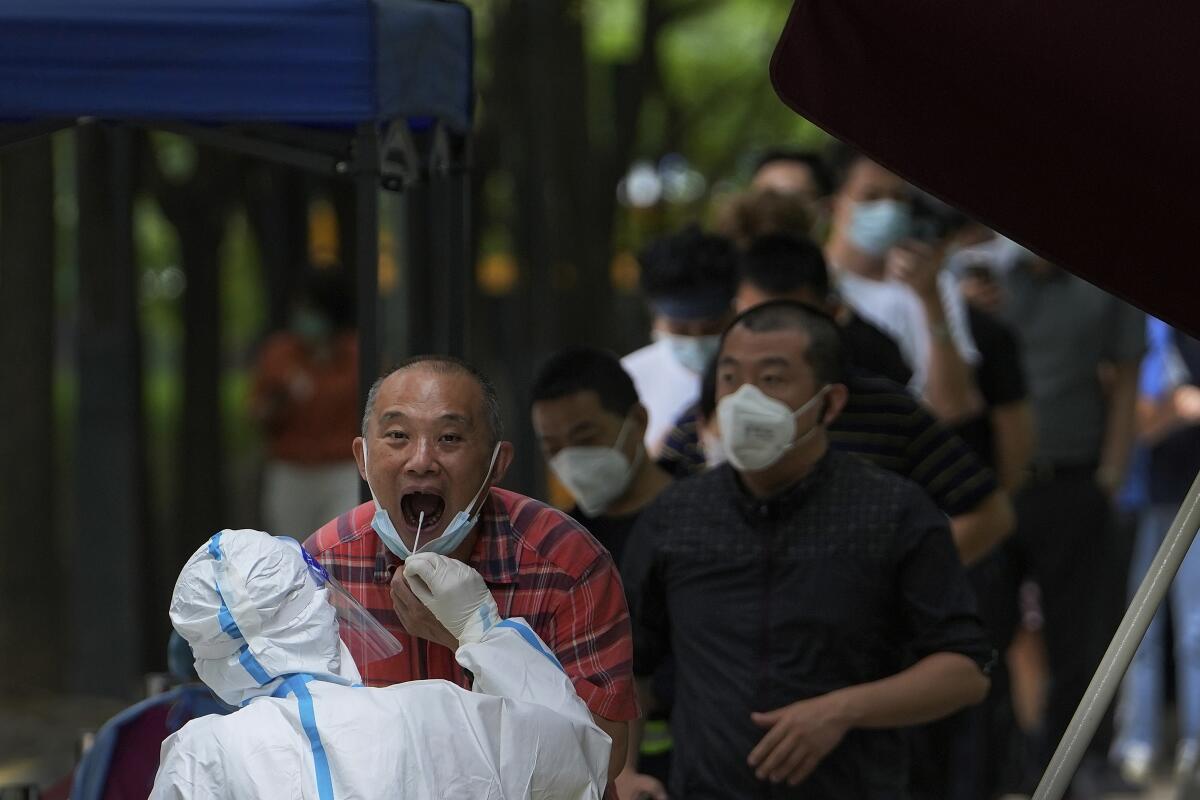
(455, 594)
(636, 786)
(798, 737)
(1187, 403)
(418, 620)
(917, 265)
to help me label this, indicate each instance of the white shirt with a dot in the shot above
(523, 732)
(895, 309)
(665, 387)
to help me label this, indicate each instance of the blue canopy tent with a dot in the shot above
(342, 87)
(377, 92)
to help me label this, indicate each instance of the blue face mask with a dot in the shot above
(692, 352)
(451, 537)
(877, 225)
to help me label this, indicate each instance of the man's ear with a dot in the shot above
(640, 418)
(835, 402)
(360, 456)
(504, 460)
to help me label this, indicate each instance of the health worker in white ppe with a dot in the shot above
(261, 620)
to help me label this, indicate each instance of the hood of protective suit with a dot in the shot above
(254, 612)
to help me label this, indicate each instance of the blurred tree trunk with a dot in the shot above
(539, 110)
(277, 208)
(565, 160)
(111, 568)
(27, 433)
(561, 218)
(199, 208)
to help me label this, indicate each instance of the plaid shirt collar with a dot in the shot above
(495, 553)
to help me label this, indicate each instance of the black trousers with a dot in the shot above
(1065, 541)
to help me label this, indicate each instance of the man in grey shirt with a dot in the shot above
(1081, 349)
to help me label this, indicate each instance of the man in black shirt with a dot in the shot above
(591, 427)
(882, 422)
(814, 604)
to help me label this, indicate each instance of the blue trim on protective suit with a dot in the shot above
(296, 684)
(225, 619)
(247, 660)
(229, 626)
(533, 641)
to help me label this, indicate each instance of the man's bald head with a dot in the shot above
(444, 365)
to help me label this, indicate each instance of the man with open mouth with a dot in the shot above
(431, 451)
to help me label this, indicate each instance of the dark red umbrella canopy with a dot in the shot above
(1072, 126)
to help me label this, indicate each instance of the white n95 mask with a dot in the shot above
(596, 476)
(757, 430)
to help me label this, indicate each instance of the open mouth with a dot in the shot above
(413, 504)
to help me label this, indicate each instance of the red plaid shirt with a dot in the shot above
(539, 564)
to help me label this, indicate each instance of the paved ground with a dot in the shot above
(40, 733)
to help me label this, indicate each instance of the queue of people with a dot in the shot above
(801, 523)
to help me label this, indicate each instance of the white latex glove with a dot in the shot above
(455, 593)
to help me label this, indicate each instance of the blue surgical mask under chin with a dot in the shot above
(878, 224)
(451, 537)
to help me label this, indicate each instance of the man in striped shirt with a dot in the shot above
(431, 451)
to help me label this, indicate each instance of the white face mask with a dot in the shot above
(692, 352)
(596, 476)
(757, 430)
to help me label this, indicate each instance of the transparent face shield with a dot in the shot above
(368, 641)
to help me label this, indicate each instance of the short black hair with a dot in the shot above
(826, 353)
(444, 365)
(780, 262)
(808, 158)
(687, 262)
(586, 369)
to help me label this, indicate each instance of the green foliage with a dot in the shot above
(717, 106)
(715, 72)
(613, 28)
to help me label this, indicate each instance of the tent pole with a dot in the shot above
(366, 250)
(1107, 679)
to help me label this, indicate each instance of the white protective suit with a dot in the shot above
(265, 638)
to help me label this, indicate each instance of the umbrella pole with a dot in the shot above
(1120, 652)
